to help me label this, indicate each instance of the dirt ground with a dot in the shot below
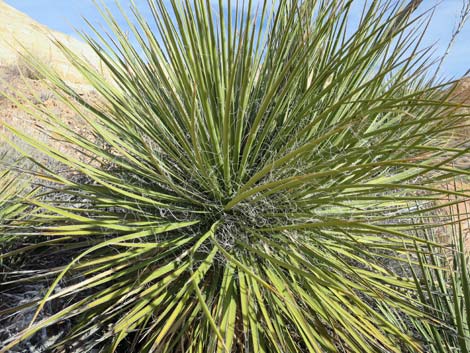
(20, 84)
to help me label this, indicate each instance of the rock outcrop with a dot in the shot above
(17, 27)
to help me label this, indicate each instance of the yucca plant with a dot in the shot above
(13, 188)
(443, 279)
(8, 191)
(254, 170)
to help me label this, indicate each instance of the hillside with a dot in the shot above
(16, 27)
(17, 31)
(462, 91)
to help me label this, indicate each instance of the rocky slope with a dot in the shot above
(19, 30)
(462, 92)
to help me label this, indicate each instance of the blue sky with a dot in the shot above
(64, 16)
